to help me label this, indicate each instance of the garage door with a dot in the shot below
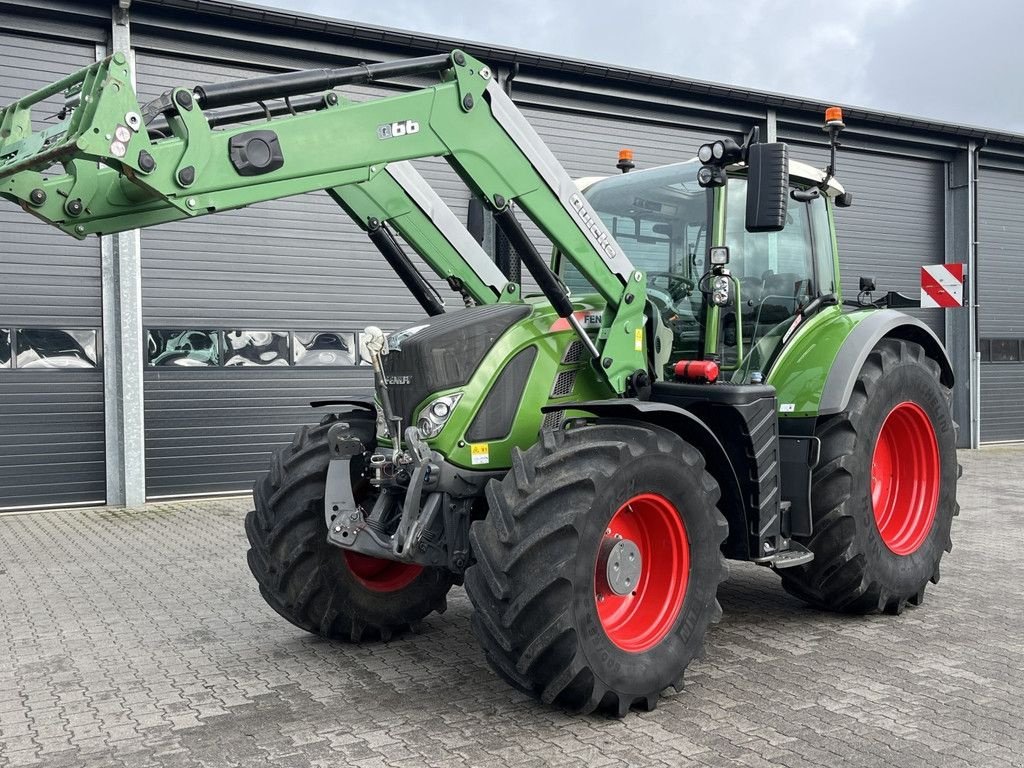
(896, 223)
(1001, 316)
(250, 314)
(51, 384)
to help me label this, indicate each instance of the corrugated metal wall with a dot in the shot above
(51, 420)
(1001, 311)
(896, 223)
(285, 265)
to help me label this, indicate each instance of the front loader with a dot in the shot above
(688, 386)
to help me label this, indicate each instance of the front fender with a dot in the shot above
(816, 371)
(695, 432)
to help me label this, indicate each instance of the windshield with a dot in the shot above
(660, 218)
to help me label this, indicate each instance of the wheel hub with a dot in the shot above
(638, 606)
(905, 478)
(622, 565)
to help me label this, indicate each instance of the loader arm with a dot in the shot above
(117, 176)
(402, 198)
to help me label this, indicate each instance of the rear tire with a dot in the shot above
(313, 584)
(883, 495)
(545, 614)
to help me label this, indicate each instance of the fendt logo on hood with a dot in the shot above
(397, 380)
(604, 242)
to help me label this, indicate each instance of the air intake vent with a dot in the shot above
(553, 420)
(573, 353)
(494, 419)
(564, 384)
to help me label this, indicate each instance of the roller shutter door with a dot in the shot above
(294, 265)
(1001, 312)
(896, 223)
(51, 416)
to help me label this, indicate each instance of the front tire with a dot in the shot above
(561, 609)
(883, 495)
(313, 584)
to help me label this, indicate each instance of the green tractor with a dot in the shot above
(688, 386)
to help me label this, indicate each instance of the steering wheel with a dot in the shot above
(680, 287)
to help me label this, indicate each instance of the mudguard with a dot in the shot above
(885, 323)
(694, 431)
(815, 373)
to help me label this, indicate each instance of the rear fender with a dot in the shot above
(878, 325)
(815, 374)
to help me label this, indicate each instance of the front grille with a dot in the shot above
(552, 420)
(573, 353)
(445, 353)
(564, 384)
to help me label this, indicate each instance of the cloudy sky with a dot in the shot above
(950, 60)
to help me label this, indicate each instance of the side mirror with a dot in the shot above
(767, 187)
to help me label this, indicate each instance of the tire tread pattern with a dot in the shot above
(521, 583)
(840, 577)
(300, 575)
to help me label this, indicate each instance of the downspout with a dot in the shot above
(973, 271)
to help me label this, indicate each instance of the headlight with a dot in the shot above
(436, 413)
(720, 291)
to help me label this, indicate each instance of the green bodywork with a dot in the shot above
(535, 330)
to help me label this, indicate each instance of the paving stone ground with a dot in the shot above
(139, 639)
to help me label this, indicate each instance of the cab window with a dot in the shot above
(775, 275)
(660, 217)
(824, 257)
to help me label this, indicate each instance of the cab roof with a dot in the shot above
(798, 170)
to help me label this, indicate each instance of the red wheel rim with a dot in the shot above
(639, 621)
(905, 478)
(381, 575)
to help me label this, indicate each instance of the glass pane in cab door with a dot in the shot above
(660, 218)
(775, 273)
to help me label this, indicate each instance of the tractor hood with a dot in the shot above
(443, 352)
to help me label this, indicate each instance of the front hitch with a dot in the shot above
(422, 518)
(417, 538)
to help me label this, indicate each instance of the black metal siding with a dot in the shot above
(212, 431)
(1001, 312)
(51, 438)
(51, 421)
(896, 223)
(294, 264)
(46, 277)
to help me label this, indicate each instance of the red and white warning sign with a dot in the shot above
(942, 285)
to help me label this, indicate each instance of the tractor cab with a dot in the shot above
(673, 229)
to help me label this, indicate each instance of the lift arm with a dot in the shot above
(401, 197)
(117, 176)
